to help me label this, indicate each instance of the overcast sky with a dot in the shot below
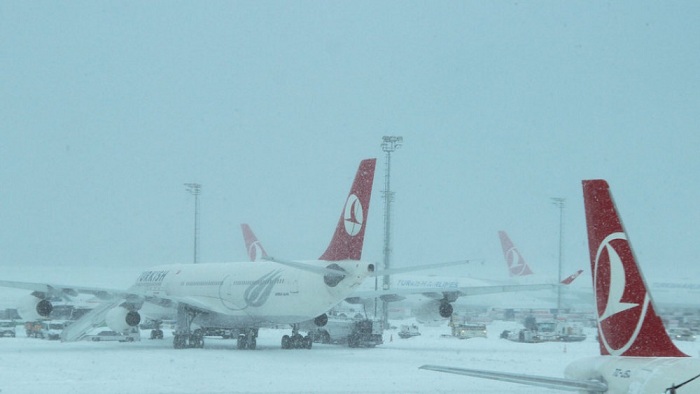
(108, 108)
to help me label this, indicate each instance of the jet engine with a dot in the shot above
(121, 319)
(332, 280)
(32, 307)
(321, 320)
(433, 310)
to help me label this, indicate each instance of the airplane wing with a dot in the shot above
(63, 291)
(450, 294)
(591, 386)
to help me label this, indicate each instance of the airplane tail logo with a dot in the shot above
(627, 322)
(516, 263)
(353, 216)
(256, 252)
(350, 232)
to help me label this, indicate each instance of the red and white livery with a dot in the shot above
(636, 353)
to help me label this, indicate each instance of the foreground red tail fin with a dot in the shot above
(256, 252)
(516, 263)
(350, 232)
(627, 322)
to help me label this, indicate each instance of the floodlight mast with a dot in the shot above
(560, 202)
(195, 189)
(389, 145)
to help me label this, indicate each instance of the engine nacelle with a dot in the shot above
(34, 308)
(433, 310)
(321, 320)
(332, 280)
(121, 319)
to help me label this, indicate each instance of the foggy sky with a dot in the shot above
(108, 108)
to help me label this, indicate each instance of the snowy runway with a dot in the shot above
(32, 365)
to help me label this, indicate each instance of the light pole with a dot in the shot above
(389, 145)
(195, 189)
(559, 202)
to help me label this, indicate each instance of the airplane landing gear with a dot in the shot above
(247, 339)
(157, 332)
(184, 337)
(296, 341)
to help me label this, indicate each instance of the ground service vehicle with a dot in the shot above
(7, 328)
(409, 331)
(356, 333)
(466, 331)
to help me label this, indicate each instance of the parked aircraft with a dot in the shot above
(242, 296)
(521, 272)
(636, 353)
(437, 292)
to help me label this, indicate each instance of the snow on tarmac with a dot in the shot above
(29, 365)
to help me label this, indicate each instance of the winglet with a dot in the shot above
(256, 252)
(627, 321)
(569, 279)
(516, 263)
(350, 231)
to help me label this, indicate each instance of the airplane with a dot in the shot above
(440, 292)
(521, 272)
(636, 353)
(243, 296)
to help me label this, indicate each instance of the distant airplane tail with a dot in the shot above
(350, 232)
(256, 252)
(627, 321)
(516, 263)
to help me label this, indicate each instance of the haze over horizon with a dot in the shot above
(109, 108)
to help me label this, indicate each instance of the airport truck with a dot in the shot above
(353, 332)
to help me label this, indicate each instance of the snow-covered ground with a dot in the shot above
(29, 365)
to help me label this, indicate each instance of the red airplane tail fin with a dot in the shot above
(256, 252)
(516, 263)
(350, 232)
(627, 321)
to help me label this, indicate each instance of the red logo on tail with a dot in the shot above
(618, 306)
(353, 216)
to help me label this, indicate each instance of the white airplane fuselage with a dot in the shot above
(249, 293)
(642, 375)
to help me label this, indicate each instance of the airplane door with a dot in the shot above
(227, 294)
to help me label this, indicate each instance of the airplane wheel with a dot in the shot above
(286, 342)
(241, 342)
(308, 341)
(252, 343)
(179, 342)
(297, 341)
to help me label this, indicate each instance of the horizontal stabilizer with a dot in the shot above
(305, 267)
(591, 386)
(569, 279)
